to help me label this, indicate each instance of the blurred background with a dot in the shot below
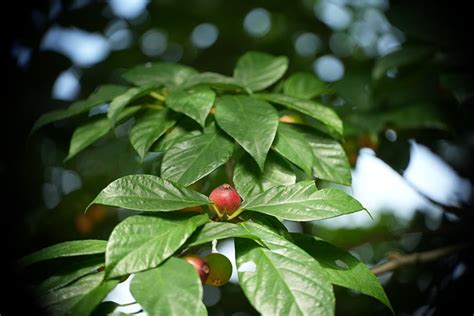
(403, 82)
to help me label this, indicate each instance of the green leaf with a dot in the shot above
(60, 302)
(65, 249)
(142, 242)
(159, 74)
(315, 110)
(193, 158)
(70, 272)
(251, 122)
(148, 128)
(304, 85)
(214, 80)
(330, 161)
(87, 134)
(178, 133)
(194, 103)
(219, 230)
(87, 304)
(148, 193)
(303, 202)
(282, 280)
(248, 179)
(292, 144)
(100, 95)
(342, 268)
(173, 288)
(120, 102)
(259, 70)
(400, 58)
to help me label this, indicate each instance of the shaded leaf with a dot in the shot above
(303, 202)
(159, 74)
(400, 58)
(148, 193)
(191, 159)
(249, 180)
(304, 85)
(314, 109)
(251, 122)
(65, 249)
(71, 272)
(62, 301)
(283, 271)
(87, 134)
(194, 103)
(342, 268)
(101, 95)
(173, 288)
(121, 101)
(87, 304)
(292, 144)
(142, 242)
(148, 128)
(259, 70)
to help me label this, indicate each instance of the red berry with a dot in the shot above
(226, 199)
(200, 265)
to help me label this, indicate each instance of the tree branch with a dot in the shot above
(397, 260)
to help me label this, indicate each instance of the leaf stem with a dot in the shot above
(214, 246)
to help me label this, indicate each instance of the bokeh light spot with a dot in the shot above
(204, 35)
(328, 68)
(258, 22)
(307, 44)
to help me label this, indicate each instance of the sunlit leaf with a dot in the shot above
(214, 80)
(149, 193)
(302, 202)
(314, 109)
(249, 180)
(342, 268)
(173, 288)
(293, 145)
(194, 103)
(330, 161)
(142, 242)
(159, 74)
(251, 122)
(282, 271)
(259, 70)
(193, 158)
(304, 85)
(148, 128)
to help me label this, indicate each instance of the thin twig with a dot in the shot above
(397, 260)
